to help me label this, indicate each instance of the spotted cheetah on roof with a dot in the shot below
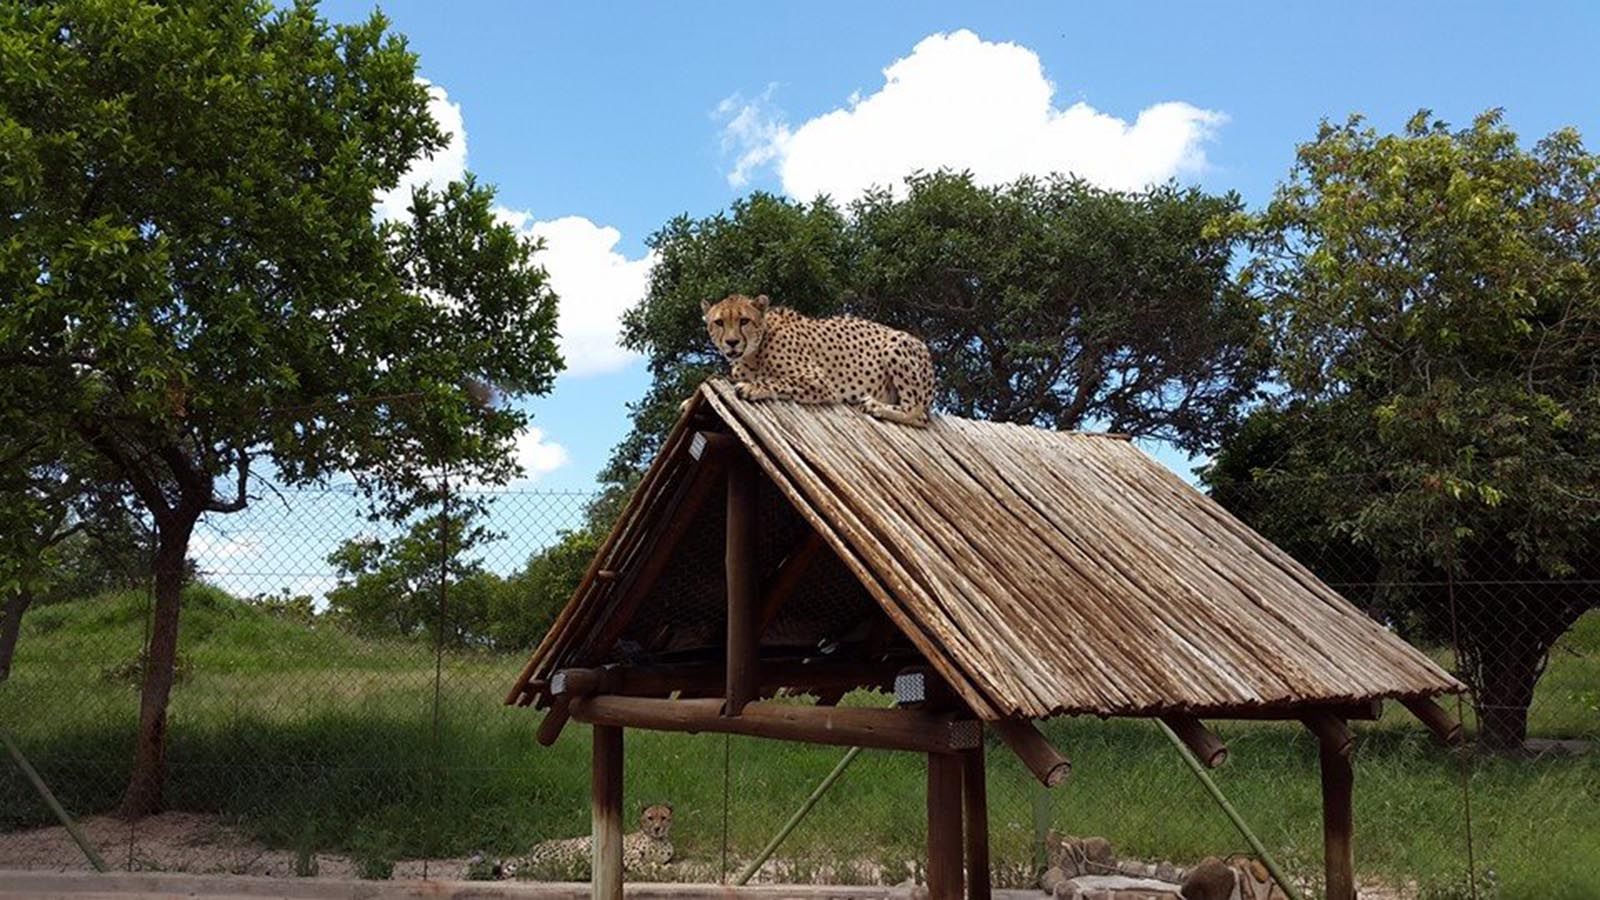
(779, 354)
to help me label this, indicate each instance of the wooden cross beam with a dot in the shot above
(886, 729)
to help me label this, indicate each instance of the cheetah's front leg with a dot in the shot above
(759, 389)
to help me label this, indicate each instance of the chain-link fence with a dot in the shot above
(338, 711)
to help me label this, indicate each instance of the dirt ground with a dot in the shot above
(184, 842)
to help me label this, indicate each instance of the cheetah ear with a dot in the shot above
(762, 302)
(705, 307)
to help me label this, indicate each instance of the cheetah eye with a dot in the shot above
(743, 321)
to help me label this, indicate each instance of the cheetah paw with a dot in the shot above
(748, 391)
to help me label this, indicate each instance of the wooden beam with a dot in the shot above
(1045, 762)
(944, 827)
(1331, 732)
(1443, 725)
(790, 571)
(606, 805)
(552, 724)
(887, 729)
(1206, 746)
(1338, 849)
(975, 803)
(740, 563)
(707, 679)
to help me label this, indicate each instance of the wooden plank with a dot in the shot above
(1042, 759)
(1338, 848)
(944, 827)
(887, 729)
(1206, 746)
(741, 568)
(975, 803)
(784, 581)
(606, 806)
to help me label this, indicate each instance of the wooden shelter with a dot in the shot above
(990, 574)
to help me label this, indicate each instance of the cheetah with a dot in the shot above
(779, 354)
(646, 847)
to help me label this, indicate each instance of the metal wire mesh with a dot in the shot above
(338, 712)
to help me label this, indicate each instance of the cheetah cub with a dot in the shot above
(779, 354)
(648, 846)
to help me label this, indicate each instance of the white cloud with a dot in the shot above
(538, 456)
(444, 166)
(595, 282)
(211, 546)
(960, 102)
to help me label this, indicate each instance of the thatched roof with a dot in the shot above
(1037, 572)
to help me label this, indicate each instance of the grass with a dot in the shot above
(311, 738)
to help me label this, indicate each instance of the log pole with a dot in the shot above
(1443, 725)
(1338, 849)
(1201, 741)
(944, 827)
(975, 799)
(884, 729)
(554, 721)
(743, 663)
(1042, 759)
(606, 797)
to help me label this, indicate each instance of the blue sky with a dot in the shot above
(608, 112)
(598, 122)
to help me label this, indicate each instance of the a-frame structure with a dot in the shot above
(989, 574)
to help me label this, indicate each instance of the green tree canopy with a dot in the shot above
(1047, 301)
(195, 282)
(1434, 299)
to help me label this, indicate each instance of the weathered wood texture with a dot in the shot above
(1338, 819)
(975, 803)
(1443, 725)
(887, 729)
(740, 564)
(1040, 756)
(1206, 746)
(1042, 573)
(606, 802)
(944, 827)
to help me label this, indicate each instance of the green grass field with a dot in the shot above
(308, 737)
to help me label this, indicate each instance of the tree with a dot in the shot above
(195, 283)
(1434, 298)
(426, 582)
(1048, 302)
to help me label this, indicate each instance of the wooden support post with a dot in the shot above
(1443, 725)
(1206, 746)
(944, 827)
(975, 799)
(1331, 732)
(1338, 850)
(606, 802)
(744, 612)
(1043, 760)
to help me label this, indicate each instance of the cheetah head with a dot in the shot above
(736, 324)
(656, 820)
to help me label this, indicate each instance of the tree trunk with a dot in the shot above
(143, 796)
(11, 626)
(1505, 644)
